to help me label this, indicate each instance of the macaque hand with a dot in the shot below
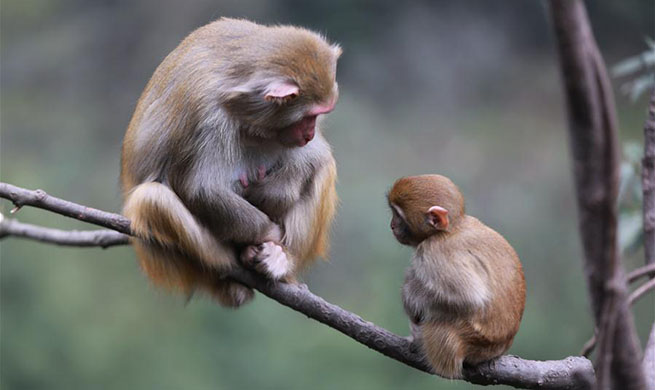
(273, 234)
(267, 258)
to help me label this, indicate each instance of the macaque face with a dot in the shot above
(400, 228)
(302, 132)
(288, 118)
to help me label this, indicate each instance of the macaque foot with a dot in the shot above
(267, 258)
(414, 344)
(415, 337)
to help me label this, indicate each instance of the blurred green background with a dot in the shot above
(468, 89)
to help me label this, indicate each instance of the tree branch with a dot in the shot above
(570, 373)
(640, 291)
(648, 188)
(647, 270)
(594, 144)
(648, 182)
(101, 238)
(22, 197)
(649, 360)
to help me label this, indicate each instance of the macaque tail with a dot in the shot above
(448, 345)
(174, 250)
(444, 349)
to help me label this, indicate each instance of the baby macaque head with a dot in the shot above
(422, 206)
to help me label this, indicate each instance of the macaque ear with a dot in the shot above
(438, 217)
(281, 91)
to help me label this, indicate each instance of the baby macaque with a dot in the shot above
(465, 291)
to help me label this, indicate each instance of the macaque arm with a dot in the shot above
(417, 298)
(231, 218)
(413, 303)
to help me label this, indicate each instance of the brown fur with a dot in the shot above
(318, 242)
(465, 288)
(201, 122)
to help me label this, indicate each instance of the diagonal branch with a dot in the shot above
(570, 373)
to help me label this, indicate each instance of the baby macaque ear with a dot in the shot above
(281, 91)
(438, 217)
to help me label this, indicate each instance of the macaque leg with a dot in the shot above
(228, 293)
(175, 251)
(170, 270)
(159, 216)
(443, 348)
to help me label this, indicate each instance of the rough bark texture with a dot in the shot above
(649, 360)
(648, 188)
(594, 145)
(570, 373)
(648, 182)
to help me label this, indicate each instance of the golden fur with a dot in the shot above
(184, 150)
(465, 288)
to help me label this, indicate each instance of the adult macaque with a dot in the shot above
(465, 291)
(223, 159)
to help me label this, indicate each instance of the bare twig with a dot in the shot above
(589, 346)
(22, 197)
(594, 144)
(647, 270)
(640, 291)
(569, 373)
(101, 238)
(648, 182)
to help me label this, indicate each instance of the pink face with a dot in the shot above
(300, 133)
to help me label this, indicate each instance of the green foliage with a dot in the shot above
(630, 199)
(640, 69)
